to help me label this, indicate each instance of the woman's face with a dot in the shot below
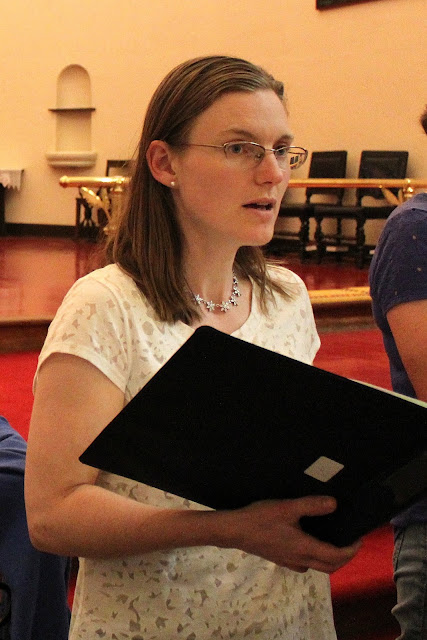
(218, 200)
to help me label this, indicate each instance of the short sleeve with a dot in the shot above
(92, 323)
(399, 268)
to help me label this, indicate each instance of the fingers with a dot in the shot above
(275, 534)
(327, 558)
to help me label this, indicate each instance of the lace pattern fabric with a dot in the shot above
(199, 593)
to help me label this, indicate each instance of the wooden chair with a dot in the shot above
(373, 164)
(323, 164)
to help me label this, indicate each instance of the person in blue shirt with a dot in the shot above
(34, 584)
(398, 283)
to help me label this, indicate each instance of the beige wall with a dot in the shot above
(355, 76)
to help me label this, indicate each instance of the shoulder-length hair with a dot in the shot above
(146, 241)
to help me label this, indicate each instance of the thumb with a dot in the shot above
(316, 505)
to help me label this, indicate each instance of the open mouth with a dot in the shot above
(258, 205)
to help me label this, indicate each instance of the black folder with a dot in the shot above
(225, 423)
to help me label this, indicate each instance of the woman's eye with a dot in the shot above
(236, 148)
(281, 152)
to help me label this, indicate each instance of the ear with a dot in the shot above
(159, 160)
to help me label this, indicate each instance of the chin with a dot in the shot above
(261, 242)
(257, 235)
(263, 238)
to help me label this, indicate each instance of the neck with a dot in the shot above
(210, 276)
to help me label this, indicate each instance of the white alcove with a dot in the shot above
(73, 113)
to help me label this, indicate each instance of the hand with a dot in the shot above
(271, 530)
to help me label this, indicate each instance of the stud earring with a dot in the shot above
(173, 184)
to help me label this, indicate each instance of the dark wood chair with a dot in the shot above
(373, 164)
(323, 164)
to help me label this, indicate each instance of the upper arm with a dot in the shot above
(73, 402)
(408, 323)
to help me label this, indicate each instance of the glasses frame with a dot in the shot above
(263, 150)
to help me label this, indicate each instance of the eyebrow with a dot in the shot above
(245, 135)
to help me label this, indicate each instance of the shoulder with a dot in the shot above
(398, 270)
(109, 280)
(292, 286)
(102, 296)
(285, 278)
(404, 234)
(289, 326)
(99, 320)
(106, 320)
(412, 213)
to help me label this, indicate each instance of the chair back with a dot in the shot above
(381, 164)
(327, 164)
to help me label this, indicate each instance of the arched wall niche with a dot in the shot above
(73, 88)
(73, 113)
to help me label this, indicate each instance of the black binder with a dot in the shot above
(225, 423)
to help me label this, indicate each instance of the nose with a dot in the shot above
(268, 170)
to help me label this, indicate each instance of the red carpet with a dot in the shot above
(358, 355)
(16, 397)
(370, 571)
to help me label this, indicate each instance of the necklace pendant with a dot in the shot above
(223, 306)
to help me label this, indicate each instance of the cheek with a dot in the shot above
(285, 182)
(213, 183)
(286, 177)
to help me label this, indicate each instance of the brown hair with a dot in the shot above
(146, 242)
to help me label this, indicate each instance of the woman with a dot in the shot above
(204, 197)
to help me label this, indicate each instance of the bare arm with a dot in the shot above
(408, 323)
(69, 514)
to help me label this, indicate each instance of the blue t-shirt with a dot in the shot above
(398, 274)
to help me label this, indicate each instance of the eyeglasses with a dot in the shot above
(249, 155)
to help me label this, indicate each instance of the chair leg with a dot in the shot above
(303, 235)
(360, 241)
(319, 238)
(77, 226)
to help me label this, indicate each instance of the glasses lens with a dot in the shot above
(246, 154)
(282, 156)
(250, 154)
(297, 157)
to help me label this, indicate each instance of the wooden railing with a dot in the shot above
(406, 184)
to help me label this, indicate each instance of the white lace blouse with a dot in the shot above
(190, 593)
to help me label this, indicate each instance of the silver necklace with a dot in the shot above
(225, 305)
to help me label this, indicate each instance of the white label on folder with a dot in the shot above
(324, 469)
